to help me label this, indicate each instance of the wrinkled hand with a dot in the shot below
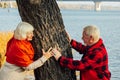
(56, 53)
(48, 53)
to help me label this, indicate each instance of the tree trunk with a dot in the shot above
(49, 31)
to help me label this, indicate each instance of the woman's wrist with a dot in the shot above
(43, 59)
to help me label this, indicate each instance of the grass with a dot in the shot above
(4, 38)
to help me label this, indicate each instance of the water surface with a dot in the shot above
(74, 21)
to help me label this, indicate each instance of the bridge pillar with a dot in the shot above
(10, 4)
(97, 6)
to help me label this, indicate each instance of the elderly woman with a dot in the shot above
(20, 53)
(94, 63)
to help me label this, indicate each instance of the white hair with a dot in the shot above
(22, 29)
(92, 30)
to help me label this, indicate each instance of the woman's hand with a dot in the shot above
(56, 53)
(48, 53)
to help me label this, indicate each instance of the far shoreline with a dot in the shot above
(81, 5)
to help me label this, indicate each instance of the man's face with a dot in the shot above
(86, 39)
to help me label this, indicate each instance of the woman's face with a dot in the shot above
(29, 36)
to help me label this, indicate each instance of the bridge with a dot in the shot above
(97, 2)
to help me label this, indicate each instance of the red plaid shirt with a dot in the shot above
(94, 63)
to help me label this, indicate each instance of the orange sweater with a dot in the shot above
(19, 52)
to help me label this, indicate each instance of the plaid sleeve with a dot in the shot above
(89, 62)
(77, 46)
(72, 64)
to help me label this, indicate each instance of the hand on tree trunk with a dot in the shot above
(47, 54)
(69, 38)
(56, 53)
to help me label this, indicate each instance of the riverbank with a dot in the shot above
(61, 4)
(8, 4)
(82, 5)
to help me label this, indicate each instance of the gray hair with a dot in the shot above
(92, 30)
(22, 29)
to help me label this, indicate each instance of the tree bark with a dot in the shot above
(49, 31)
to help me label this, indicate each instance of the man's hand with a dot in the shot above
(69, 38)
(56, 53)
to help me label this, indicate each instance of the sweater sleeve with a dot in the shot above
(36, 64)
(77, 46)
(83, 64)
(70, 63)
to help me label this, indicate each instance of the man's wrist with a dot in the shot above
(59, 59)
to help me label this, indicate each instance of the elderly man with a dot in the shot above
(94, 62)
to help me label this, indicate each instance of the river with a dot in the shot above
(74, 21)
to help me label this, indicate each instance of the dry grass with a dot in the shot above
(4, 38)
